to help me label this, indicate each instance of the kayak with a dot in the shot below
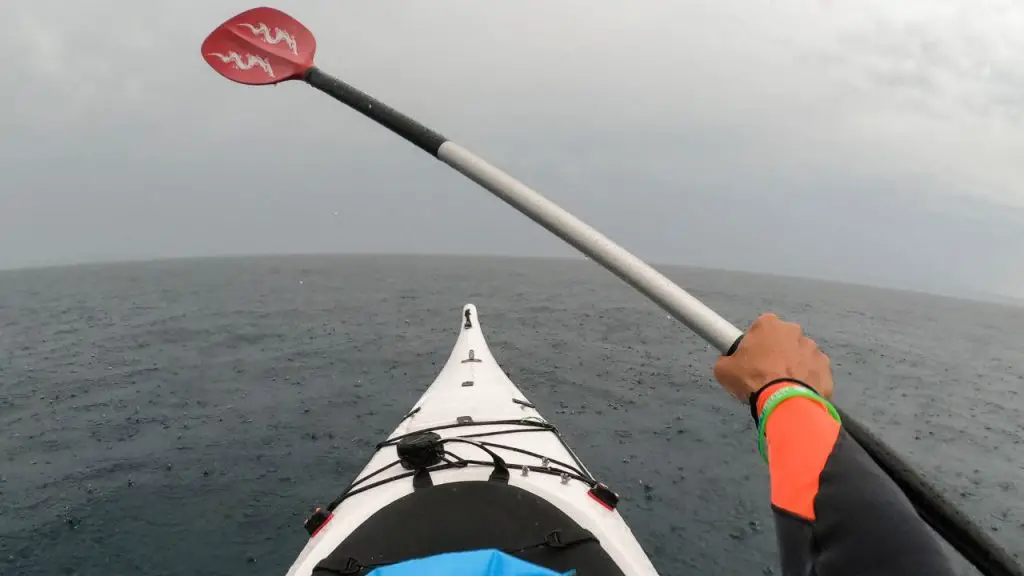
(473, 466)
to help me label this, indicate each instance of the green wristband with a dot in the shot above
(779, 397)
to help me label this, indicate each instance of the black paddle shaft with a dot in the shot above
(948, 521)
(976, 546)
(422, 137)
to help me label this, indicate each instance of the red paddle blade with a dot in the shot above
(260, 46)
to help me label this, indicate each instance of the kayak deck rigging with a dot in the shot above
(548, 465)
(473, 465)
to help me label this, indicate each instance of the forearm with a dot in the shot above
(836, 512)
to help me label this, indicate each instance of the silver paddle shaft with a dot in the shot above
(716, 330)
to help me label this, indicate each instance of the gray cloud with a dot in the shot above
(878, 142)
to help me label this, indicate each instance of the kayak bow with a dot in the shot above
(473, 466)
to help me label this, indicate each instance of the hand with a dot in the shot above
(773, 349)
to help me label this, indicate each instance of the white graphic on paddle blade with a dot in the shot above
(251, 61)
(261, 29)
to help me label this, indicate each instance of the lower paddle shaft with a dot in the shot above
(707, 323)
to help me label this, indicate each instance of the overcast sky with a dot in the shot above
(874, 141)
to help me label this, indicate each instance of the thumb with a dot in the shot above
(723, 368)
(727, 372)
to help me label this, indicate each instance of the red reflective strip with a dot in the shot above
(599, 501)
(321, 527)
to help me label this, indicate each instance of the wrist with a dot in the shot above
(760, 396)
(775, 394)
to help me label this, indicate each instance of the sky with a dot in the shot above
(876, 142)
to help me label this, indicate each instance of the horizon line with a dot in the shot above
(963, 294)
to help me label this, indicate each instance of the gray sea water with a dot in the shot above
(181, 417)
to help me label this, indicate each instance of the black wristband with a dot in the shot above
(754, 396)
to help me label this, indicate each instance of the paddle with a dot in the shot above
(266, 46)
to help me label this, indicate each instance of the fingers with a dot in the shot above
(812, 347)
(772, 349)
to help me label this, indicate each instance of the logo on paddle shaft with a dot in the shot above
(252, 61)
(261, 29)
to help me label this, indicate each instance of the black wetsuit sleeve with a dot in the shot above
(836, 512)
(861, 523)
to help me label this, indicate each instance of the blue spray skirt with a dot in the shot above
(472, 563)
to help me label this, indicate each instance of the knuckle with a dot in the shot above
(764, 319)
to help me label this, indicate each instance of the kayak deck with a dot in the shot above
(462, 516)
(496, 474)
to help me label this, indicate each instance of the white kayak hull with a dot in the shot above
(473, 390)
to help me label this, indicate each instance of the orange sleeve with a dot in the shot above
(800, 435)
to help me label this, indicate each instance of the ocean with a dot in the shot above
(183, 417)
